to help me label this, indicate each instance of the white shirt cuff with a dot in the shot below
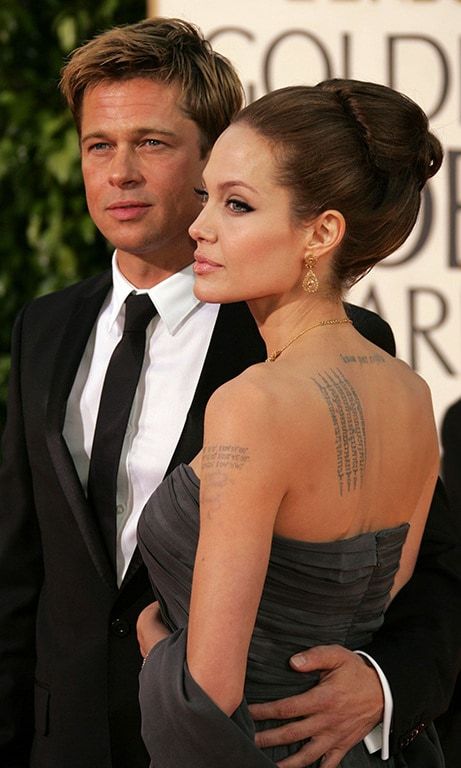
(378, 738)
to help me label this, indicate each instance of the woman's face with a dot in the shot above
(248, 244)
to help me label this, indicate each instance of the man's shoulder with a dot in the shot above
(451, 425)
(65, 298)
(372, 327)
(236, 330)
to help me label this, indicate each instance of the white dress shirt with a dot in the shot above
(378, 738)
(177, 341)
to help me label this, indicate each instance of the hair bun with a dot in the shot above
(393, 129)
(431, 155)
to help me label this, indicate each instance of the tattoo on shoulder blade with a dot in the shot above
(349, 425)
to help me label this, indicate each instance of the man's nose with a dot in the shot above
(125, 169)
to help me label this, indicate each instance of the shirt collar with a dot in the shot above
(173, 298)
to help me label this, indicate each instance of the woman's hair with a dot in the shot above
(167, 51)
(362, 149)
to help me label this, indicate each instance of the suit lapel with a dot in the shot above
(235, 344)
(80, 322)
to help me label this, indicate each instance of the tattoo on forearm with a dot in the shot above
(217, 461)
(349, 425)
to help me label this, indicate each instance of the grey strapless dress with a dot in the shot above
(314, 593)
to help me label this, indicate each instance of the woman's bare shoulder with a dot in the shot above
(254, 381)
(416, 386)
(244, 404)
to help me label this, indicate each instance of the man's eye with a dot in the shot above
(99, 145)
(202, 194)
(238, 206)
(152, 142)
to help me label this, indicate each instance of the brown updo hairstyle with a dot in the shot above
(360, 148)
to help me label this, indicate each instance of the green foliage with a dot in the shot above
(47, 239)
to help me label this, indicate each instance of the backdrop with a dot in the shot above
(411, 45)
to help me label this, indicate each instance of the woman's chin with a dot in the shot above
(207, 294)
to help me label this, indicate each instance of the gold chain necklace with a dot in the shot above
(274, 355)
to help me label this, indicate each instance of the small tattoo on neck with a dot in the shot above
(377, 358)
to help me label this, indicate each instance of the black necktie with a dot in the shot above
(114, 409)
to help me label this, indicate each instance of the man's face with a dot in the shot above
(140, 162)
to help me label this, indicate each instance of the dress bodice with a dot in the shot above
(314, 592)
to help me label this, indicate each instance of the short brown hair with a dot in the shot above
(164, 50)
(360, 148)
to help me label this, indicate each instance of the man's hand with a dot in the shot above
(150, 628)
(337, 713)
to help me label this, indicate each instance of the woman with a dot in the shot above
(318, 466)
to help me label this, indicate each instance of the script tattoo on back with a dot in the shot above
(349, 425)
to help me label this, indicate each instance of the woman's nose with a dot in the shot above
(201, 229)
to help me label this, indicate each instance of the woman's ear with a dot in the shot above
(325, 233)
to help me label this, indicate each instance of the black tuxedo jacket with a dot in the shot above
(449, 725)
(69, 659)
(451, 453)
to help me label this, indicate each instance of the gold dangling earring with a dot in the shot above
(310, 282)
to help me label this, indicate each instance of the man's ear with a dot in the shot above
(325, 233)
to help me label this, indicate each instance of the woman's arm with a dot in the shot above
(186, 695)
(242, 486)
(150, 628)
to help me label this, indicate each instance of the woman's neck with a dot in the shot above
(280, 322)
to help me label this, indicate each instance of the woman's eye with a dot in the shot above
(238, 206)
(202, 194)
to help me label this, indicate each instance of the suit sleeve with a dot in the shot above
(20, 579)
(451, 452)
(419, 644)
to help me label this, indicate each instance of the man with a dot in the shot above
(449, 724)
(451, 445)
(149, 100)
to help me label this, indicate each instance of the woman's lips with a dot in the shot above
(205, 266)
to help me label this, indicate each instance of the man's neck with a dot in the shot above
(143, 273)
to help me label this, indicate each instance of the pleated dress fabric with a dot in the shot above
(314, 593)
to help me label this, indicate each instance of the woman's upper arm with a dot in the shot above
(241, 490)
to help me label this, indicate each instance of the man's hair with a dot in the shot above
(166, 51)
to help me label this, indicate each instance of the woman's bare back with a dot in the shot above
(355, 437)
